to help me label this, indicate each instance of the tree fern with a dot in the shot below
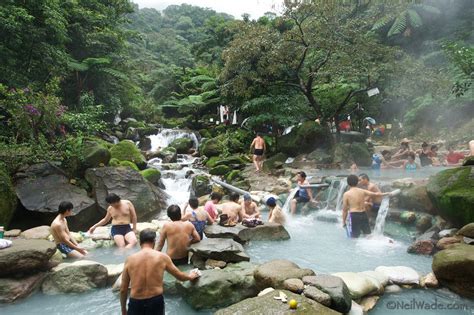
(114, 73)
(382, 22)
(399, 25)
(415, 19)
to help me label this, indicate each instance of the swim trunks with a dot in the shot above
(180, 261)
(63, 248)
(358, 222)
(151, 306)
(375, 207)
(301, 196)
(258, 152)
(120, 229)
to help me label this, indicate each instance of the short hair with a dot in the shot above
(65, 206)
(174, 212)
(193, 203)
(147, 236)
(364, 176)
(424, 145)
(216, 196)
(302, 174)
(247, 197)
(434, 146)
(352, 180)
(112, 198)
(234, 197)
(259, 134)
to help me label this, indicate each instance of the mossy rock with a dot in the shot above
(152, 175)
(136, 124)
(168, 155)
(200, 186)
(95, 154)
(182, 145)
(8, 199)
(270, 163)
(242, 184)
(205, 133)
(211, 162)
(219, 170)
(303, 139)
(127, 151)
(232, 160)
(211, 147)
(129, 164)
(320, 156)
(233, 175)
(114, 162)
(451, 191)
(345, 153)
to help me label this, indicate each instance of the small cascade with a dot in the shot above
(177, 185)
(286, 205)
(382, 214)
(340, 194)
(329, 195)
(166, 136)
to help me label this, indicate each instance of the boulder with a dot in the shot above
(393, 288)
(353, 136)
(12, 233)
(303, 139)
(101, 233)
(317, 295)
(368, 303)
(358, 284)
(76, 277)
(152, 175)
(335, 288)
(95, 154)
(467, 230)
(25, 257)
(41, 188)
(408, 217)
(239, 233)
(320, 157)
(447, 233)
(220, 287)
(451, 192)
(416, 198)
(8, 200)
(213, 264)
(211, 147)
(422, 247)
(113, 272)
(146, 225)
(270, 163)
(356, 309)
(293, 285)
(219, 249)
(182, 145)
(127, 151)
(453, 267)
(429, 281)
(400, 274)
(145, 143)
(200, 186)
(129, 164)
(128, 184)
(219, 170)
(380, 280)
(266, 304)
(37, 233)
(275, 272)
(446, 242)
(233, 175)
(12, 289)
(424, 222)
(168, 155)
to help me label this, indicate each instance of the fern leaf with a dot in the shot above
(399, 26)
(382, 22)
(77, 66)
(415, 19)
(114, 73)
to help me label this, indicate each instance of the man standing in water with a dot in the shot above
(144, 270)
(179, 235)
(372, 204)
(122, 212)
(62, 237)
(353, 203)
(259, 148)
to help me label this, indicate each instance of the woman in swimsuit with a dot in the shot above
(424, 154)
(197, 216)
(410, 165)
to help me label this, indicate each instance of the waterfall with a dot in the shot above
(340, 194)
(382, 214)
(166, 136)
(286, 205)
(329, 194)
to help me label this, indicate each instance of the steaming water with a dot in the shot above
(382, 214)
(166, 136)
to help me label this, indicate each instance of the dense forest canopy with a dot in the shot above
(69, 67)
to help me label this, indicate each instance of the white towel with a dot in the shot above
(5, 243)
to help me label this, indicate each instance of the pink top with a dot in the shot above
(210, 207)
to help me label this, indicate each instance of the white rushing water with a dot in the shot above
(166, 136)
(381, 216)
(286, 205)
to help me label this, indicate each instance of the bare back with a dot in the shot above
(232, 209)
(355, 199)
(122, 213)
(258, 143)
(277, 216)
(373, 188)
(178, 235)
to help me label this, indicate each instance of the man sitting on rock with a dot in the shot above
(232, 211)
(179, 235)
(250, 208)
(122, 213)
(144, 271)
(65, 243)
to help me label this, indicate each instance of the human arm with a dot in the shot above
(345, 210)
(375, 194)
(252, 144)
(72, 239)
(65, 238)
(105, 220)
(133, 217)
(194, 234)
(161, 242)
(210, 220)
(124, 289)
(178, 274)
(186, 216)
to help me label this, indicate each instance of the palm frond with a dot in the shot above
(114, 73)
(399, 26)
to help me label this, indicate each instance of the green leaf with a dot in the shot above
(399, 25)
(415, 19)
(382, 22)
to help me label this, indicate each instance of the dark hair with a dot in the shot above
(259, 134)
(65, 206)
(234, 197)
(424, 145)
(193, 203)
(147, 236)
(434, 146)
(112, 198)
(216, 196)
(302, 174)
(352, 180)
(174, 212)
(412, 155)
(271, 202)
(364, 176)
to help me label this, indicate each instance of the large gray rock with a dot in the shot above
(266, 304)
(200, 186)
(220, 287)
(336, 288)
(12, 289)
(416, 198)
(219, 249)
(42, 187)
(239, 233)
(275, 272)
(77, 277)
(128, 184)
(467, 230)
(359, 284)
(37, 233)
(25, 257)
(317, 295)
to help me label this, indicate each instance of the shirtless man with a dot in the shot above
(122, 212)
(62, 237)
(276, 214)
(144, 270)
(354, 203)
(259, 148)
(372, 204)
(250, 208)
(179, 235)
(233, 210)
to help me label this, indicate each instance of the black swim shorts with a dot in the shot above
(258, 152)
(180, 261)
(151, 306)
(358, 222)
(120, 229)
(63, 248)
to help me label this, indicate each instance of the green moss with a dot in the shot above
(182, 145)
(360, 154)
(219, 170)
(152, 175)
(95, 154)
(127, 151)
(211, 147)
(205, 133)
(8, 199)
(269, 164)
(231, 160)
(303, 139)
(211, 162)
(233, 175)
(114, 162)
(129, 164)
(136, 124)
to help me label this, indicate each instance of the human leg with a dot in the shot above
(75, 254)
(293, 205)
(119, 240)
(130, 239)
(255, 162)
